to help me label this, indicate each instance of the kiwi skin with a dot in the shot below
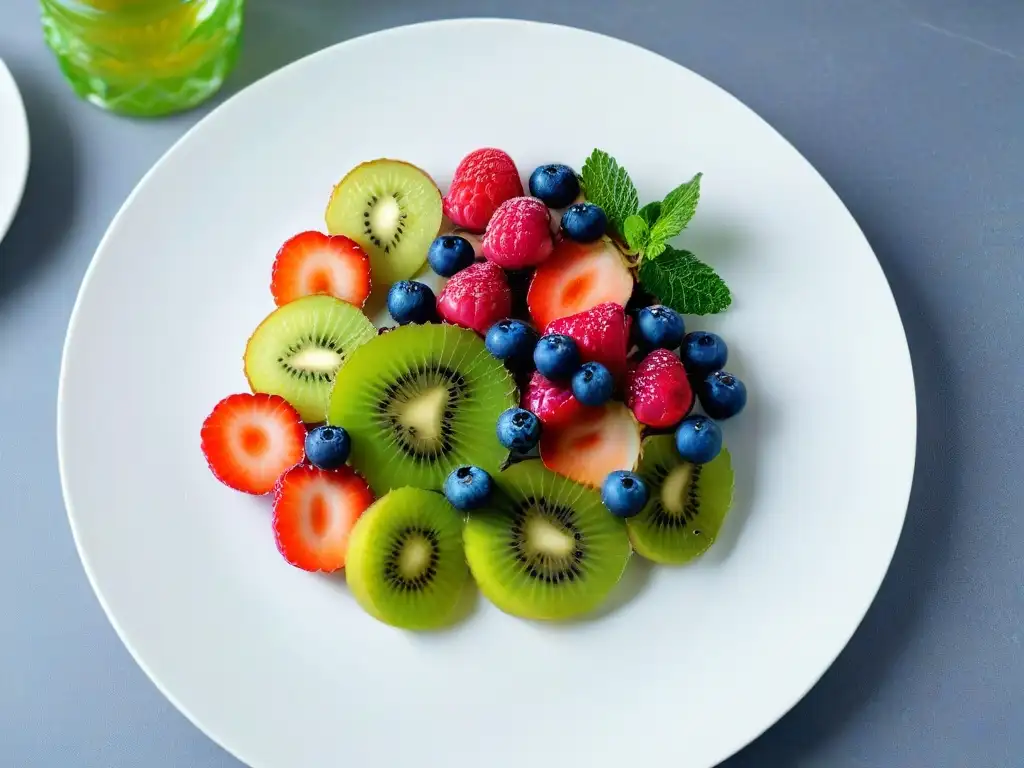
(692, 531)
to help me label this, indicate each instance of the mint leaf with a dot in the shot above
(636, 232)
(606, 184)
(650, 213)
(680, 280)
(677, 209)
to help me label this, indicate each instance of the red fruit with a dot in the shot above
(477, 297)
(314, 511)
(312, 262)
(578, 277)
(600, 440)
(552, 404)
(519, 234)
(658, 393)
(601, 334)
(484, 179)
(249, 440)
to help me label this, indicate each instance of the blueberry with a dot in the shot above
(411, 302)
(512, 341)
(556, 356)
(328, 447)
(518, 430)
(468, 487)
(698, 439)
(722, 395)
(449, 254)
(555, 184)
(584, 222)
(624, 493)
(660, 327)
(592, 384)
(703, 352)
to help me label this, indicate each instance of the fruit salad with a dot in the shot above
(524, 429)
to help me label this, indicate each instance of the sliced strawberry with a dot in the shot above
(554, 405)
(250, 440)
(659, 393)
(599, 441)
(601, 334)
(311, 263)
(314, 511)
(577, 277)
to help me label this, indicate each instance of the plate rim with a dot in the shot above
(912, 414)
(23, 134)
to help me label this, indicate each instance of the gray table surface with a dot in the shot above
(914, 112)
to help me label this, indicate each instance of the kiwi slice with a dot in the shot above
(405, 563)
(393, 210)
(687, 506)
(419, 401)
(297, 350)
(545, 547)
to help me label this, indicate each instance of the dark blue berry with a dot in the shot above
(449, 254)
(468, 487)
(722, 395)
(703, 352)
(555, 184)
(328, 447)
(556, 356)
(659, 327)
(411, 302)
(584, 222)
(512, 341)
(698, 439)
(592, 384)
(518, 430)
(624, 493)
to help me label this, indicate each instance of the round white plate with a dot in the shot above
(14, 148)
(688, 665)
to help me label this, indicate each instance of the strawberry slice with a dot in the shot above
(313, 263)
(601, 334)
(554, 405)
(599, 441)
(577, 277)
(314, 511)
(249, 440)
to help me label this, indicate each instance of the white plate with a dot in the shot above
(14, 149)
(280, 666)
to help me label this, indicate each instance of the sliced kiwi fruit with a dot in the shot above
(297, 350)
(405, 563)
(419, 401)
(687, 506)
(393, 210)
(545, 547)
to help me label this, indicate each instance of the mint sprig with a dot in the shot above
(675, 277)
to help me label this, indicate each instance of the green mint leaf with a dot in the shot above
(650, 213)
(680, 280)
(636, 232)
(677, 209)
(607, 185)
(654, 249)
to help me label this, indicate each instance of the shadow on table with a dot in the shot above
(922, 553)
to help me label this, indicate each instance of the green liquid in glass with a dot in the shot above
(144, 57)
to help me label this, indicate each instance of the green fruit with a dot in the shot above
(545, 547)
(297, 351)
(405, 564)
(419, 401)
(687, 506)
(393, 210)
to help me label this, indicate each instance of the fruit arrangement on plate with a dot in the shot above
(527, 428)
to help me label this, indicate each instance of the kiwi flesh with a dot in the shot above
(405, 563)
(393, 210)
(419, 401)
(687, 506)
(545, 547)
(297, 351)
